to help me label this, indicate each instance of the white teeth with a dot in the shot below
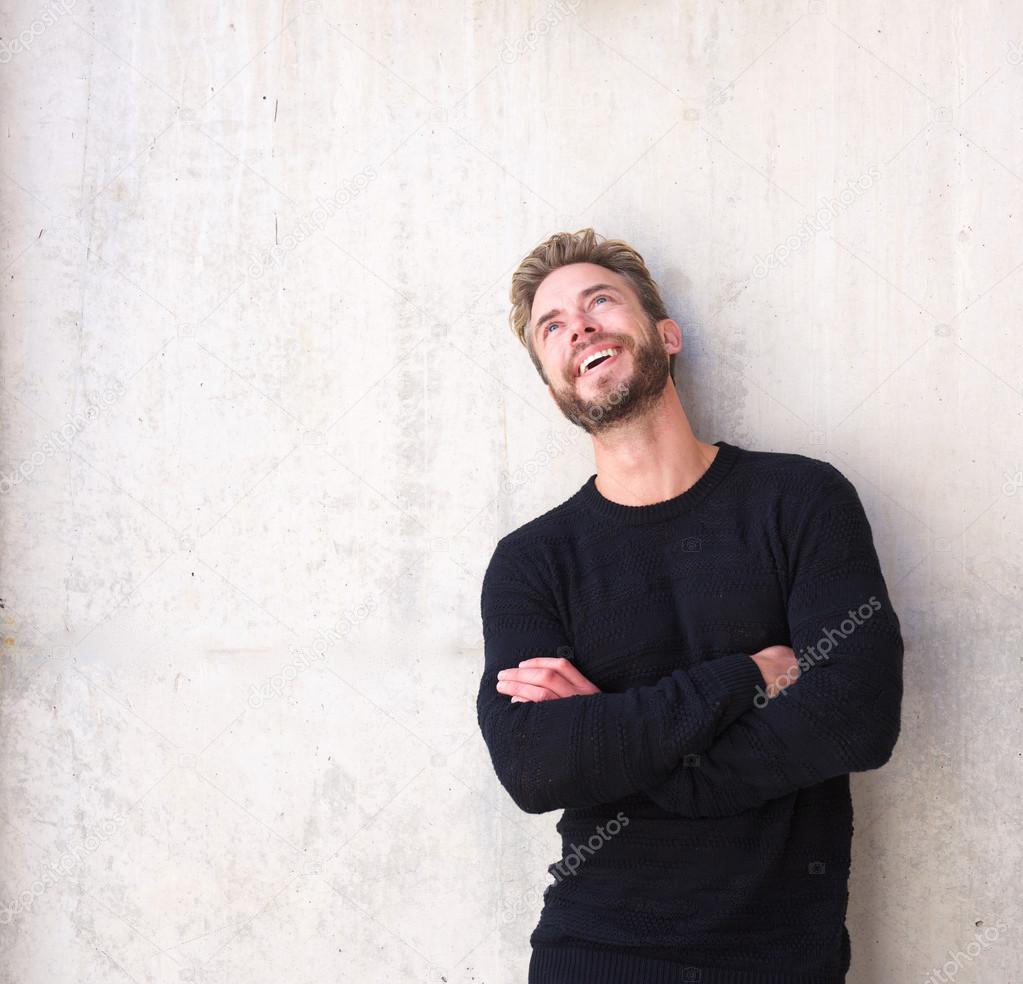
(595, 355)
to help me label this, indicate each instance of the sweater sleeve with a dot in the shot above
(596, 748)
(843, 712)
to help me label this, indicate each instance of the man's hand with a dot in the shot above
(548, 677)
(543, 678)
(778, 666)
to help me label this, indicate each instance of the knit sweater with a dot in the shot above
(706, 829)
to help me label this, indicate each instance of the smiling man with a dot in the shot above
(688, 657)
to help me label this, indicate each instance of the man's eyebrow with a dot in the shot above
(582, 294)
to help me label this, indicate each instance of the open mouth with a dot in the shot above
(600, 358)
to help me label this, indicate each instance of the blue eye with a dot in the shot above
(552, 324)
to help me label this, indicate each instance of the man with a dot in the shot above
(688, 657)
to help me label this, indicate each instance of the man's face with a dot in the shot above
(578, 311)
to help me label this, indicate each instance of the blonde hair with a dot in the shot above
(584, 246)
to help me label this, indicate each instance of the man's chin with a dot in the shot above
(597, 409)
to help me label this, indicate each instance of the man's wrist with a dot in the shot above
(738, 681)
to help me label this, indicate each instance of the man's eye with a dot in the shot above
(554, 324)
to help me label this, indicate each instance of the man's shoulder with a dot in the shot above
(553, 524)
(791, 490)
(789, 473)
(524, 546)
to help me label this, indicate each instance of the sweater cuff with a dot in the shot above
(739, 681)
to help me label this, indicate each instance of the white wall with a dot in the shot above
(261, 413)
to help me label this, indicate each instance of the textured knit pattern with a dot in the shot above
(710, 827)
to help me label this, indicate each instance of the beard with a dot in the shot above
(612, 403)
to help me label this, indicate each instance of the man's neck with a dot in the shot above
(653, 458)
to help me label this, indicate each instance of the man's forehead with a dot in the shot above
(576, 277)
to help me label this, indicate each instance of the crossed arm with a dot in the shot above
(589, 748)
(695, 742)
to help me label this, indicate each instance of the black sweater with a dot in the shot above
(706, 830)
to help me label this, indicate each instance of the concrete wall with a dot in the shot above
(263, 421)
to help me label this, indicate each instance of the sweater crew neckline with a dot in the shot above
(656, 512)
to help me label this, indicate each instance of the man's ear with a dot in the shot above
(672, 335)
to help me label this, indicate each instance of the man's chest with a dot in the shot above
(638, 605)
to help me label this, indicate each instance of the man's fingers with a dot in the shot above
(540, 677)
(543, 678)
(566, 668)
(526, 691)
